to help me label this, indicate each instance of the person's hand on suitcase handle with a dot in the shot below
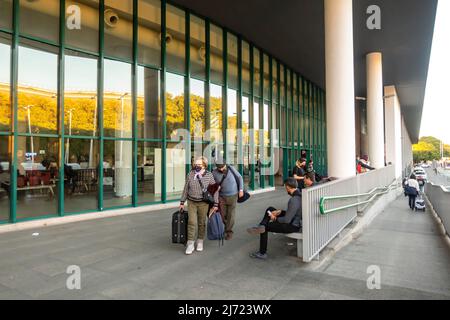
(181, 207)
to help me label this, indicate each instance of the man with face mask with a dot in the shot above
(279, 221)
(231, 188)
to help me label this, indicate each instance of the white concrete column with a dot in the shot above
(375, 107)
(340, 89)
(393, 127)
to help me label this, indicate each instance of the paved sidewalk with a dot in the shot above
(131, 257)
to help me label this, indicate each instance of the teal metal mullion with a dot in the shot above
(302, 114)
(262, 146)
(317, 159)
(14, 102)
(187, 90)
(315, 133)
(225, 94)
(291, 120)
(279, 102)
(239, 111)
(299, 139)
(271, 142)
(312, 122)
(60, 95)
(163, 100)
(208, 79)
(251, 122)
(309, 119)
(318, 130)
(324, 130)
(322, 164)
(286, 120)
(100, 84)
(134, 93)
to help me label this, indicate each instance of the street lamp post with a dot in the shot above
(91, 147)
(70, 134)
(28, 108)
(121, 124)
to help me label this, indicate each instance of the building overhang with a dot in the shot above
(293, 31)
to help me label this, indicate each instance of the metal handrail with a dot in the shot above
(323, 199)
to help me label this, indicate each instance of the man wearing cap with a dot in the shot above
(227, 177)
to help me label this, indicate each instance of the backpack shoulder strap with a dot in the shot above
(235, 178)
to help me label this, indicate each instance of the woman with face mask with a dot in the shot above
(197, 209)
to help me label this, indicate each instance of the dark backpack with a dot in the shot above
(216, 228)
(410, 191)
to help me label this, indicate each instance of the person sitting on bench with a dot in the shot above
(279, 221)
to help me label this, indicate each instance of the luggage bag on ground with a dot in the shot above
(179, 227)
(419, 204)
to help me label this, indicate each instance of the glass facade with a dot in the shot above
(106, 106)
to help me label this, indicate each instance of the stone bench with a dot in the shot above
(299, 237)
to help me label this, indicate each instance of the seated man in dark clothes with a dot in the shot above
(307, 182)
(279, 221)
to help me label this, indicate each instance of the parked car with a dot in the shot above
(425, 165)
(421, 175)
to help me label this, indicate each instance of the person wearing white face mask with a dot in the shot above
(197, 181)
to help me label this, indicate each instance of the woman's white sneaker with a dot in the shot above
(199, 245)
(190, 247)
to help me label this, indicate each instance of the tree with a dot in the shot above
(428, 149)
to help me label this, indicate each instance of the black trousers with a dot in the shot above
(274, 226)
(412, 201)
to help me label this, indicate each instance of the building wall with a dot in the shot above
(393, 130)
(107, 116)
(407, 155)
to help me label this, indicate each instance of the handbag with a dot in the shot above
(246, 195)
(206, 195)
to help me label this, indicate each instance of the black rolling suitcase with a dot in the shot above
(179, 227)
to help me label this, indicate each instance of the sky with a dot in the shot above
(436, 110)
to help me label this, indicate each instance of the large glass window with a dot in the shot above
(5, 89)
(274, 80)
(216, 54)
(245, 67)
(266, 77)
(175, 39)
(265, 153)
(80, 94)
(81, 175)
(174, 105)
(119, 29)
(37, 98)
(197, 49)
(149, 113)
(117, 173)
(82, 24)
(256, 72)
(282, 87)
(215, 113)
(257, 142)
(232, 125)
(246, 139)
(117, 108)
(40, 20)
(283, 126)
(5, 178)
(175, 170)
(197, 105)
(37, 161)
(6, 14)
(149, 172)
(232, 50)
(149, 32)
